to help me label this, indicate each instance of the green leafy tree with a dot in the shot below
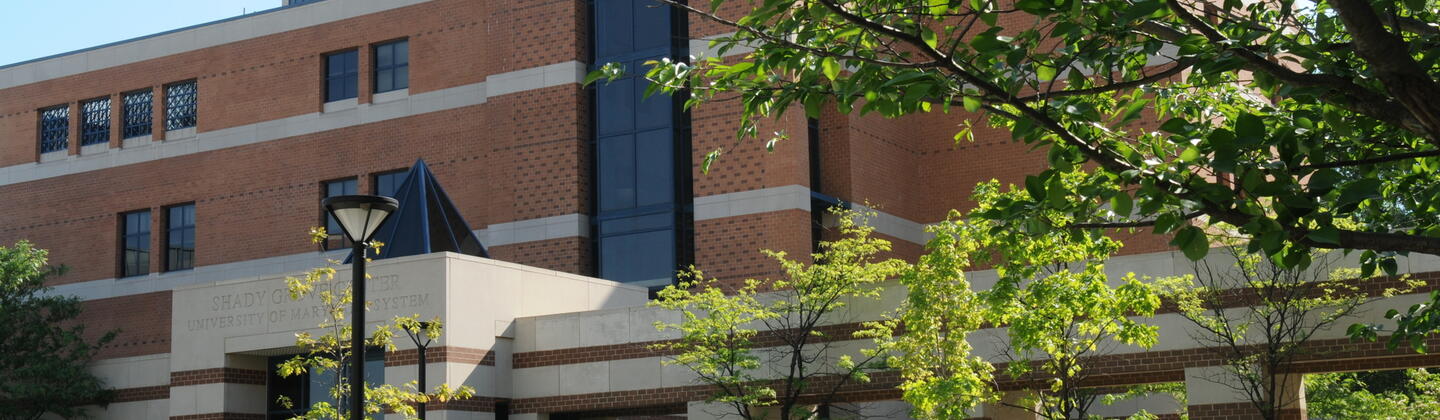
(1282, 119)
(1282, 309)
(44, 356)
(764, 346)
(329, 352)
(1053, 297)
(1355, 396)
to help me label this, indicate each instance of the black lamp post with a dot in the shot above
(420, 349)
(359, 216)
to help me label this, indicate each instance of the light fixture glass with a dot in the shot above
(360, 215)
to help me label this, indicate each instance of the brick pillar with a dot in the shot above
(117, 120)
(157, 113)
(75, 118)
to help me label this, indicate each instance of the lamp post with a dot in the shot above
(420, 349)
(359, 216)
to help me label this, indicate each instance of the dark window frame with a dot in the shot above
(389, 71)
(95, 121)
(337, 239)
(170, 229)
(349, 76)
(53, 133)
(182, 107)
(125, 234)
(375, 180)
(137, 117)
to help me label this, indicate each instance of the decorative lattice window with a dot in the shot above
(137, 113)
(180, 105)
(95, 122)
(55, 128)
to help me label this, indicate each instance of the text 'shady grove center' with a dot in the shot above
(176, 176)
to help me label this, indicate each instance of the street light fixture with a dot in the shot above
(421, 337)
(360, 216)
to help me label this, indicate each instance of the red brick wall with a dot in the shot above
(142, 321)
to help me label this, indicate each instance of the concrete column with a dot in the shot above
(1291, 396)
(1214, 393)
(1001, 411)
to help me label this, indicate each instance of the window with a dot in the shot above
(135, 243)
(332, 227)
(180, 237)
(136, 113)
(95, 122)
(388, 183)
(180, 105)
(642, 153)
(55, 128)
(392, 66)
(306, 389)
(342, 75)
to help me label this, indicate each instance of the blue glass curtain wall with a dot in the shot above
(643, 223)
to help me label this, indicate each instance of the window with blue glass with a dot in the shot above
(392, 66)
(342, 75)
(180, 237)
(388, 183)
(332, 227)
(55, 128)
(95, 122)
(134, 243)
(137, 113)
(180, 105)
(642, 153)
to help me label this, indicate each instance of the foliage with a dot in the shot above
(329, 352)
(1351, 396)
(1053, 295)
(1280, 309)
(764, 344)
(1282, 119)
(44, 367)
(1175, 390)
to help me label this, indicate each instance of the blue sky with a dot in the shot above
(38, 28)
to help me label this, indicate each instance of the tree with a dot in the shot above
(1053, 297)
(1299, 125)
(1365, 395)
(46, 356)
(329, 352)
(1258, 316)
(765, 346)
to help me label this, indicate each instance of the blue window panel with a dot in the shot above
(652, 25)
(55, 128)
(615, 106)
(616, 157)
(392, 66)
(334, 188)
(636, 223)
(654, 168)
(646, 258)
(95, 122)
(342, 75)
(137, 113)
(135, 243)
(180, 105)
(655, 111)
(614, 30)
(180, 241)
(388, 184)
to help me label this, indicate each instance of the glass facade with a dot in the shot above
(135, 243)
(342, 75)
(642, 148)
(180, 237)
(392, 66)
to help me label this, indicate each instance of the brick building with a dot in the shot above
(176, 174)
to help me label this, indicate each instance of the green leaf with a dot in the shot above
(1190, 154)
(1359, 190)
(1249, 129)
(1045, 72)
(1036, 187)
(1193, 242)
(928, 36)
(709, 160)
(1122, 204)
(1326, 235)
(830, 67)
(971, 103)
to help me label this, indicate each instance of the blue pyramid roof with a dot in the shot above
(426, 221)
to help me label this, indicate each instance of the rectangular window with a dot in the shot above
(137, 113)
(180, 105)
(135, 243)
(342, 75)
(95, 122)
(55, 128)
(388, 183)
(392, 66)
(180, 237)
(332, 227)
